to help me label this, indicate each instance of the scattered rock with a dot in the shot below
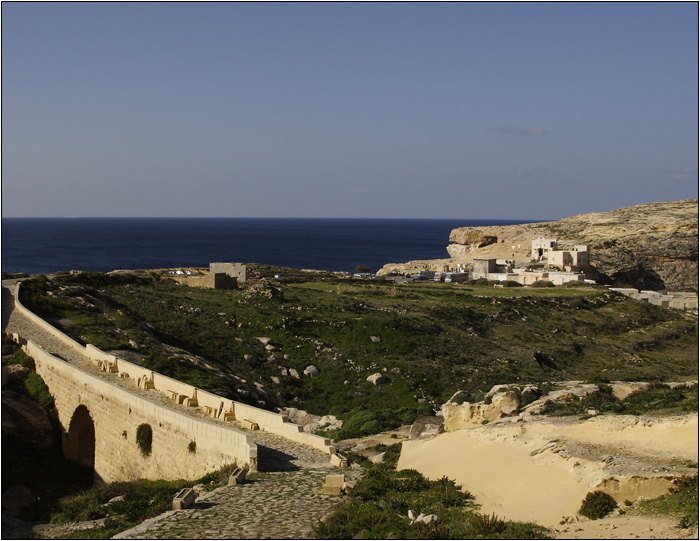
(377, 459)
(294, 373)
(424, 519)
(375, 339)
(376, 379)
(311, 371)
(310, 428)
(200, 489)
(425, 427)
(494, 406)
(264, 340)
(13, 372)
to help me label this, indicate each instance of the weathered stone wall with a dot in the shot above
(234, 270)
(116, 415)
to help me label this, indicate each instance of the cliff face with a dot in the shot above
(652, 246)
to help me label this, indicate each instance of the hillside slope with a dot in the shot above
(651, 246)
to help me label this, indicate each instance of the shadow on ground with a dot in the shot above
(273, 460)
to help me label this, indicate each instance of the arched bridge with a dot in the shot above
(128, 422)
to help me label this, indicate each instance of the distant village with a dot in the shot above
(547, 263)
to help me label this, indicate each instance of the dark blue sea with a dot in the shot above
(45, 245)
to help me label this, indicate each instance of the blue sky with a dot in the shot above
(397, 110)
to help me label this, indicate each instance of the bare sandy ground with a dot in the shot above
(625, 527)
(540, 469)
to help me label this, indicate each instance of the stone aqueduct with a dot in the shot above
(102, 403)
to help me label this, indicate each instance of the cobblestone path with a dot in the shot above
(282, 500)
(270, 505)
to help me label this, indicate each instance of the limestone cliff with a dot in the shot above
(651, 246)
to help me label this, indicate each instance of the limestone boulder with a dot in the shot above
(13, 372)
(623, 390)
(329, 422)
(311, 371)
(458, 416)
(467, 415)
(376, 379)
(425, 427)
(460, 397)
(294, 373)
(310, 428)
(299, 417)
(200, 489)
(505, 403)
(25, 419)
(497, 389)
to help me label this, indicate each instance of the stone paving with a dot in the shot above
(270, 505)
(282, 500)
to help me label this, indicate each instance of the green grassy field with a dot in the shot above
(430, 339)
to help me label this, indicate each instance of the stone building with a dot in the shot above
(572, 260)
(541, 248)
(220, 276)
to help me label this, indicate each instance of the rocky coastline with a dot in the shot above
(651, 246)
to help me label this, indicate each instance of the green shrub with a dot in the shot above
(681, 502)
(485, 525)
(597, 504)
(542, 283)
(37, 389)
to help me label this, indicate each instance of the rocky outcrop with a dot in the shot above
(311, 423)
(651, 246)
(25, 419)
(499, 402)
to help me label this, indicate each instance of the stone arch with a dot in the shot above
(79, 441)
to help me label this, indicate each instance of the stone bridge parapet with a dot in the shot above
(183, 445)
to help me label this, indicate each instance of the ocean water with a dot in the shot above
(45, 245)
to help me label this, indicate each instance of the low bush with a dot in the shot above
(597, 504)
(658, 398)
(542, 283)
